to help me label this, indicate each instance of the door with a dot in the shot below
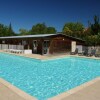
(46, 46)
(35, 46)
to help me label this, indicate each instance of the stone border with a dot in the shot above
(16, 90)
(74, 90)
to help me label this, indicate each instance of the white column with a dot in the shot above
(73, 46)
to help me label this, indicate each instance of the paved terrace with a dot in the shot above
(87, 91)
(46, 57)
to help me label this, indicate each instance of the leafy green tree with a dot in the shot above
(87, 32)
(1, 29)
(79, 27)
(73, 29)
(68, 27)
(92, 34)
(92, 40)
(95, 26)
(10, 30)
(74, 26)
(39, 29)
(23, 32)
(98, 38)
(51, 30)
(6, 30)
(66, 30)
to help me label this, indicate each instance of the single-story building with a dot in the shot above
(42, 43)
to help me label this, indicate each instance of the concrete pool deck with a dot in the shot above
(86, 91)
(10, 92)
(53, 56)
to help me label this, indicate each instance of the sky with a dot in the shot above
(26, 13)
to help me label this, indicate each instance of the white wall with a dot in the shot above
(73, 46)
(80, 48)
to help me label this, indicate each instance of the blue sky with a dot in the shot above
(26, 13)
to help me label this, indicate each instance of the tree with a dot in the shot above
(23, 32)
(67, 31)
(92, 40)
(10, 30)
(1, 29)
(92, 34)
(98, 39)
(51, 30)
(95, 27)
(87, 32)
(73, 29)
(6, 30)
(68, 27)
(39, 29)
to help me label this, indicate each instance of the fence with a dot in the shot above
(83, 48)
(6, 46)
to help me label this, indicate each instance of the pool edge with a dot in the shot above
(16, 91)
(63, 95)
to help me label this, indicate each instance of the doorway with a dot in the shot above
(35, 44)
(46, 45)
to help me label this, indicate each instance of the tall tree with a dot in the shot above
(92, 33)
(3, 30)
(95, 26)
(10, 30)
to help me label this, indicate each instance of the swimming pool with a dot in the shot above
(45, 79)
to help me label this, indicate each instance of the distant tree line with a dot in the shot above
(91, 34)
(39, 28)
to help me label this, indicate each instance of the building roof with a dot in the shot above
(40, 36)
(28, 36)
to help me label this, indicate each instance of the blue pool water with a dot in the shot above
(45, 79)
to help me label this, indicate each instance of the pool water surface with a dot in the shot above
(45, 79)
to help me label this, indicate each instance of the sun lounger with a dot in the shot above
(90, 52)
(75, 52)
(14, 51)
(93, 52)
(97, 54)
(85, 52)
(17, 51)
(80, 52)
